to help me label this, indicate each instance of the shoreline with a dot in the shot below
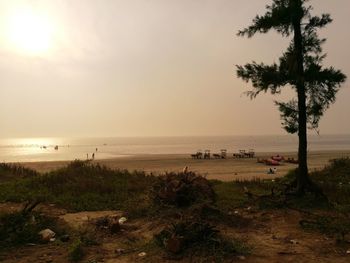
(221, 169)
(147, 155)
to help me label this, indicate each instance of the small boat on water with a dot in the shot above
(272, 162)
(268, 161)
(277, 158)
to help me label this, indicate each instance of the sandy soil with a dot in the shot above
(221, 169)
(274, 236)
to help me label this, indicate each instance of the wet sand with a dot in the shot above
(221, 169)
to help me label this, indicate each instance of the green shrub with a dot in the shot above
(76, 251)
(20, 228)
(82, 186)
(338, 226)
(9, 172)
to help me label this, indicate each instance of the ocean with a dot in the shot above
(43, 149)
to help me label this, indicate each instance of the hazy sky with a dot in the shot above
(145, 68)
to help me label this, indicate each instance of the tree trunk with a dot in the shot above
(303, 180)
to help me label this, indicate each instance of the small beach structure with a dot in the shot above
(245, 154)
(250, 153)
(221, 155)
(207, 154)
(216, 155)
(197, 155)
(240, 154)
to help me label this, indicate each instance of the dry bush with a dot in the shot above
(182, 189)
(198, 238)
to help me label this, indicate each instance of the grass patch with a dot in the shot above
(76, 251)
(196, 238)
(9, 172)
(85, 186)
(82, 186)
(233, 195)
(335, 226)
(335, 182)
(17, 228)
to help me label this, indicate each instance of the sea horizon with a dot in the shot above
(43, 148)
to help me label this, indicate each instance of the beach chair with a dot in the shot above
(242, 153)
(216, 156)
(197, 155)
(223, 153)
(251, 153)
(207, 154)
(246, 155)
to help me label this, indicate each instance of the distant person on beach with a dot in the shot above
(272, 170)
(93, 156)
(96, 149)
(185, 170)
(87, 156)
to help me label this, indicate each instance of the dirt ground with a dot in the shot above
(274, 236)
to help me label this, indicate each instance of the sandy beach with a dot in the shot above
(221, 169)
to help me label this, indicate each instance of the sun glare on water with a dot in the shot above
(29, 32)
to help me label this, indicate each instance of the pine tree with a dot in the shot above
(300, 68)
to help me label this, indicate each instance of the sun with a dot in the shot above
(29, 32)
